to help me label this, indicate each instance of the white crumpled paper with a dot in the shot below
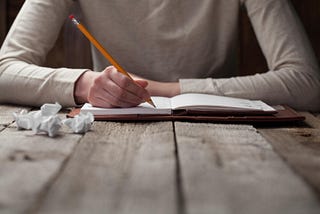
(23, 120)
(47, 121)
(80, 123)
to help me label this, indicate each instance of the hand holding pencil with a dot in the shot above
(110, 88)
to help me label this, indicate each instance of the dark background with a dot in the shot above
(72, 49)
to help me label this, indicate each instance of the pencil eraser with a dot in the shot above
(71, 16)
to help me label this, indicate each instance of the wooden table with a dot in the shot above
(161, 167)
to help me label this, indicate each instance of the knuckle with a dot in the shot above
(98, 80)
(124, 81)
(106, 73)
(111, 71)
(108, 69)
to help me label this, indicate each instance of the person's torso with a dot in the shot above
(166, 40)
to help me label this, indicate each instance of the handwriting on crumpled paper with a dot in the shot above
(47, 121)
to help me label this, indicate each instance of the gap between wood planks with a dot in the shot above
(179, 187)
(299, 148)
(226, 167)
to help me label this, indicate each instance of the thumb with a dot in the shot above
(142, 83)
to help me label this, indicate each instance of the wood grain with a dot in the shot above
(300, 148)
(118, 168)
(6, 113)
(311, 120)
(233, 169)
(28, 165)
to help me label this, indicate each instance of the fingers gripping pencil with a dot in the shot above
(103, 50)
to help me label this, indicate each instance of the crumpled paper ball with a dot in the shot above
(23, 120)
(47, 121)
(50, 125)
(80, 123)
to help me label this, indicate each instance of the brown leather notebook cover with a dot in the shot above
(284, 114)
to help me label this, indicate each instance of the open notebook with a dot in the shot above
(196, 103)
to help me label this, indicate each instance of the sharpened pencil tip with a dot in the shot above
(151, 103)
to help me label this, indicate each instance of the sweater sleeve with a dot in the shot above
(293, 77)
(33, 34)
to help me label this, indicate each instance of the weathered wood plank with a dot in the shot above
(28, 165)
(233, 169)
(301, 150)
(311, 120)
(118, 168)
(6, 111)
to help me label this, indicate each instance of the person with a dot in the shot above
(170, 47)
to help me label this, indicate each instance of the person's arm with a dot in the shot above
(293, 78)
(24, 81)
(156, 88)
(33, 34)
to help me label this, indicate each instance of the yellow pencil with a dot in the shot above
(103, 51)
